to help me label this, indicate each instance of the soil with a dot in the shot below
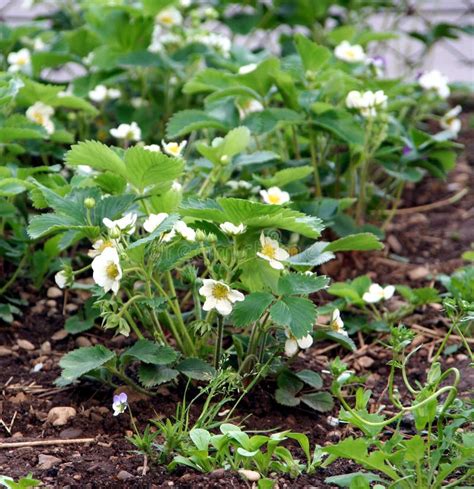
(419, 245)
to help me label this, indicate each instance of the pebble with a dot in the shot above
(54, 293)
(365, 362)
(71, 307)
(59, 335)
(217, 474)
(418, 273)
(250, 475)
(25, 345)
(5, 352)
(83, 341)
(45, 348)
(51, 303)
(60, 415)
(123, 475)
(46, 462)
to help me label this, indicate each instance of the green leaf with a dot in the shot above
(187, 121)
(342, 124)
(301, 284)
(76, 324)
(209, 80)
(84, 360)
(296, 313)
(251, 308)
(148, 168)
(311, 378)
(286, 397)
(96, 155)
(319, 401)
(196, 369)
(148, 352)
(201, 438)
(355, 242)
(313, 256)
(314, 57)
(166, 225)
(153, 375)
(285, 176)
(268, 119)
(257, 275)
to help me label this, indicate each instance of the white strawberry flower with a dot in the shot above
(169, 17)
(366, 102)
(232, 229)
(125, 223)
(293, 344)
(377, 293)
(61, 279)
(99, 246)
(20, 61)
(451, 122)
(176, 186)
(337, 324)
(244, 70)
(153, 221)
(39, 45)
(436, 81)
(182, 229)
(154, 148)
(107, 271)
(350, 53)
(129, 132)
(98, 94)
(275, 196)
(114, 93)
(249, 106)
(173, 148)
(272, 252)
(41, 114)
(219, 296)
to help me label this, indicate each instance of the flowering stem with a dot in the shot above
(314, 161)
(219, 339)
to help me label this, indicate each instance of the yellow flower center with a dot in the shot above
(173, 148)
(220, 291)
(104, 245)
(112, 271)
(166, 19)
(269, 250)
(274, 199)
(39, 118)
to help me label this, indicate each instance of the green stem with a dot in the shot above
(219, 340)
(314, 162)
(15, 274)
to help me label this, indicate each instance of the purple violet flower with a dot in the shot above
(119, 403)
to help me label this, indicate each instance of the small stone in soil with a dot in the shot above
(5, 352)
(60, 415)
(45, 347)
(46, 462)
(70, 433)
(25, 345)
(54, 293)
(83, 341)
(123, 475)
(418, 273)
(59, 335)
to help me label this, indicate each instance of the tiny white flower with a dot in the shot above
(39, 45)
(249, 106)
(451, 122)
(232, 229)
(337, 324)
(377, 293)
(99, 246)
(272, 252)
(366, 102)
(125, 223)
(349, 53)
(169, 17)
(138, 102)
(61, 279)
(89, 59)
(20, 61)
(98, 94)
(185, 231)
(275, 196)
(244, 70)
(155, 148)
(435, 80)
(293, 344)
(113, 93)
(332, 421)
(153, 221)
(309, 273)
(41, 114)
(107, 271)
(85, 169)
(173, 148)
(176, 186)
(219, 296)
(129, 132)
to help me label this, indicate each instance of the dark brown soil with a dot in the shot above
(430, 242)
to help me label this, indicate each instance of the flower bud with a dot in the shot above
(115, 232)
(225, 159)
(200, 236)
(212, 238)
(89, 202)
